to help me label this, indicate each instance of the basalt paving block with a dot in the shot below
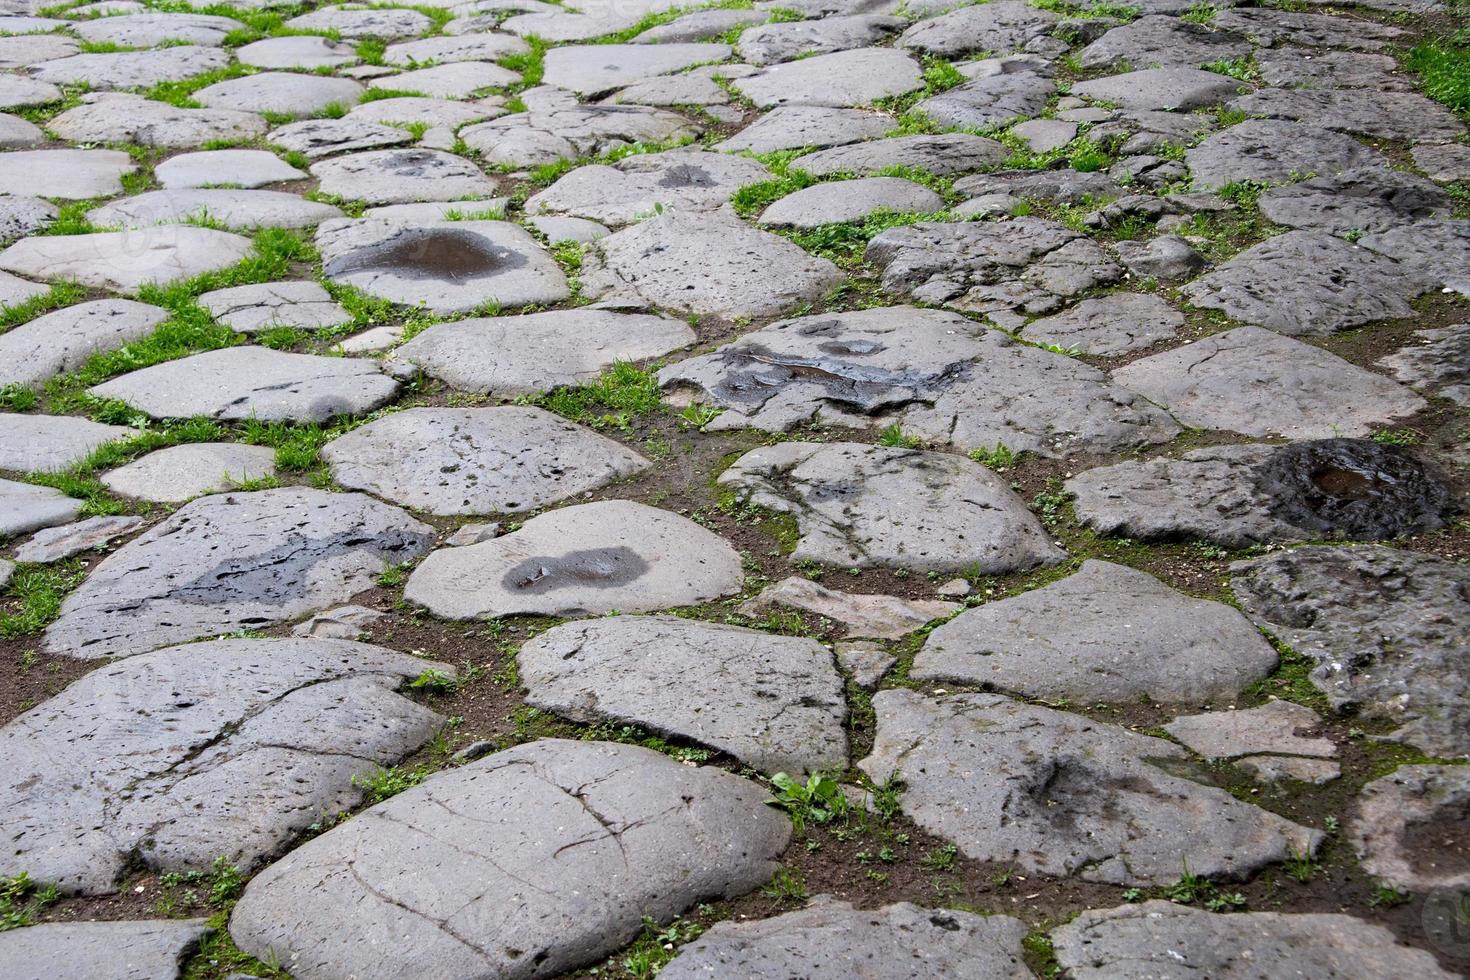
(286, 93)
(558, 130)
(849, 200)
(1390, 115)
(70, 174)
(875, 616)
(52, 442)
(796, 126)
(131, 69)
(455, 80)
(63, 340)
(996, 28)
(1438, 363)
(101, 950)
(645, 184)
(237, 210)
(117, 118)
(356, 22)
(217, 168)
(176, 474)
(1275, 151)
(1179, 89)
(323, 137)
(941, 154)
(789, 40)
(1407, 826)
(402, 176)
(844, 78)
(1164, 42)
(444, 50)
(264, 306)
(125, 261)
(591, 71)
(25, 507)
(148, 29)
(297, 51)
(1109, 325)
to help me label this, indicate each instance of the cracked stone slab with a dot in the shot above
(1109, 325)
(179, 473)
(584, 560)
(591, 70)
(1439, 363)
(1309, 283)
(841, 79)
(455, 80)
(56, 543)
(148, 30)
(1158, 41)
(126, 261)
(1273, 728)
(645, 184)
(1107, 633)
(1057, 793)
(990, 101)
(449, 461)
(26, 507)
(444, 266)
(316, 138)
(73, 175)
(1259, 383)
(522, 355)
(254, 382)
(555, 130)
(21, 216)
(402, 176)
(218, 168)
(999, 27)
(1384, 626)
(773, 702)
(860, 506)
(131, 69)
(520, 845)
(358, 22)
(1275, 151)
(940, 154)
(228, 748)
(708, 263)
(1391, 115)
(1408, 824)
(302, 51)
(1178, 89)
(831, 940)
(841, 201)
(52, 442)
(62, 340)
(280, 92)
(795, 126)
(237, 210)
(880, 617)
(1171, 942)
(111, 117)
(768, 44)
(232, 562)
(264, 306)
(101, 950)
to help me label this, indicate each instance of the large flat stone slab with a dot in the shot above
(179, 473)
(1274, 151)
(1402, 816)
(456, 80)
(591, 70)
(126, 261)
(1057, 793)
(773, 702)
(990, 101)
(300, 51)
(1438, 250)
(447, 49)
(281, 92)
(145, 30)
(52, 442)
(1107, 634)
(556, 128)
(236, 210)
(1387, 115)
(841, 201)
(74, 175)
(108, 117)
(264, 306)
(881, 617)
(1437, 365)
(131, 69)
(584, 560)
(789, 40)
(996, 28)
(63, 340)
(645, 184)
(317, 138)
(860, 506)
(101, 950)
(1109, 325)
(845, 78)
(939, 154)
(218, 168)
(26, 507)
(357, 22)
(1158, 41)
(402, 176)
(225, 749)
(1371, 199)
(793, 127)
(1177, 89)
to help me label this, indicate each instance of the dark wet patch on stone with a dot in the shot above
(1353, 487)
(594, 568)
(448, 254)
(686, 176)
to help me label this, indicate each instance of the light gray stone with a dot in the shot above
(697, 87)
(990, 101)
(456, 80)
(18, 92)
(1390, 115)
(301, 51)
(1180, 89)
(126, 261)
(866, 661)
(318, 138)
(7, 567)
(1109, 325)
(342, 623)
(522, 355)
(1438, 251)
(1057, 186)
(100, 950)
(876, 616)
(14, 290)
(62, 340)
(1059, 794)
(1371, 199)
(409, 109)
(519, 845)
(841, 201)
(109, 117)
(645, 184)
(225, 168)
(357, 22)
(701, 25)
(444, 50)
(560, 229)
(844, 78)
(17, 133)
(942, 154)
(1442, 161)
(52, 442)
(593, 70)
(1272, 729)
(232, 562)
(831, 940)
(1045, 135)
(1399, 818)
(1288, 67)
(995, 28)
(25, 507)
(20, 52)
(147, 30)
(1438, 365)
(859, 506)
(264, 306)
(56, 543)
(583, 560)
(71, 174)
(1274, 151)
(788, 40)
(1280, 768)
(566, 130)
(226, 749)
(1169, 258)
(1259, 383)
(1382, 625)
(178, 473)
(402, 176)
(1159, 41)
(797, 126)
(131, 69)
(285, 93)
(237, 210)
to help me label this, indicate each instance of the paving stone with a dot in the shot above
(1270, 27)
(152, 29)
(1442, 161)
(706, 262)
(830, 940)
(787, 41)
(1057, 186)
(550, 829)
(409, 109)
(701, 25)
(17, 92)
(7, 568)
(52, 442)
(280, 92)
(1408, 824)
(21, 216)
(1109, 325)
(225, 749)
(449, 461)
(1272, 729)
(401, 176)
(1165, 940)
(1059, 794)
(110, 117)
(15, 290)
(74, 175)
(697, 87)
(236, 210)
(25, 507)
(1169, 258)
(876, 616)
(444, 50)
(1280, 768)
(446, 266)
(568, 131)
(17, 133)
(62, 340)
(456, 80)
(522, 355)
(371, 341)
(218, 168)
(231, 562)
(794, 127)
(647, 183)
(131, 69)
(101, 950)
(1439, 365)
(56, 543)
(588, 559)
(1288, 67)
(1164, 42)
(1259, 383)
(991, 101)
(358, 22)
(318, 138)
(179, 473)
(1108, 634)
(844, 78)
(1391, 115)
(21, 52)
(264, 306)
(1438, 250)
(125, 261)
(865, 661)
(850, 200)
(942, 154)
(1179, 89)
(1384, 627)
(560, 229)
(342, 623)
(1045, 135)
(773, 702)
(1371, 199)
(254, 382)
(301, 51)
(593, 70)
(859, 506)
(996, 28)
(1274, 151)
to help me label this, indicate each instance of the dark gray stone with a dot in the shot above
(941, 154)
(1391, 115)
(1274, 151)
(100, 950)
(645, 184)
(56, 543)
(996, 100)
(1436, 250)
(1169, 258)
(797, 126)
(1439, 365)
(1179, 89)
(1113, 324)
(1164, 42)
(999, 27)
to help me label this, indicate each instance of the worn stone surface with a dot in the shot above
(1438, 365)
(1169, 258)
(359, 22)
(455, 80)
(583, 560)
(701, 25)
(450, 461)
(131, 69)
(301, 51)
(101, 950)
(145, 30)
(844, 78)
(1273, 729)
(51, 442)
(864, 660)
(1109, 325)
(63, 340)
(1407, 827)
(1442, 161)
(444, 50)
(1436, 250)
(643, 185)
(1274, 151)
(107, 117)
(522, 845)
(284, 93)
(69, 174)
(1159, 41)
(250, 309)
(790, 40)
(1384, 627)
(878, 507)
(590, 72)
(237, 210)
(1390, 115)
(325, 137)
(942, 154)
(222, 749)
(179, 473)
(402, 176)
(850, 200)
(1180, 89)
(56, 543)
(994, 100)
(1058, 186)
(125, 261)
(341, 623)
(997, 28)
(796, 126)
(875, 616)
(1370, 199)
(219, 168)
(553, 129)
(25, 507)
(1057, 793)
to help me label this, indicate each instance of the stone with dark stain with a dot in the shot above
(592, 568)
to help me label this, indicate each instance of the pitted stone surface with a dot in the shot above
(941, 155)
(126, 261)
(101, 950)
(522, 845)
(645, 184)
(1391, 115)
(324, 137)
(52, 442)
(1439, 365)
(254, 382)
(21, 216)
(1107, 634)
(444, 50)
(131, 69)
(787, 41)
(286, 93)
(231, 562)
(876, 616)
(1372, 199)
(1442, 161)
(357, 22)
(1383, 625)
(1180, 89)
(63, 340)
(145, 30)
(1397, 812)
(864, 506)
(1164, 42)
(222, 749)
(236, 210)
(1436, 250)
(999, 27)
(701, 25)
(1275, 151)
(449, 461)
(592, 71)
(773, 702)
(57, 543)
(522, 355)
(796, 126)
(25, 507)
(1112, 324)
(577, 561)
(107, 117)
(250, 309)
(176, 474)
(844, 78)
(1056, 793)
(402, 176)
(989, 101)
(850, 200)
(554, 130)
